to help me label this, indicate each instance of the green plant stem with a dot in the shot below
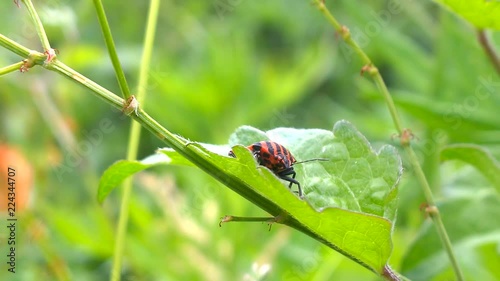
(11, 68)
(247, 219)
(397, 123)
(344, 32)
(14, 47)
(70, 73)
(142, 117)
(134, 137)
(436, 217)
(110, 44)
(190, 152)
(379, 81)
(121, 232)
(485, 42)
(38, 25)
(148, 50)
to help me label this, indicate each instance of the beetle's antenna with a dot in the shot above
(310, 160)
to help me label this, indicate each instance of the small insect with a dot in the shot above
(278, 159)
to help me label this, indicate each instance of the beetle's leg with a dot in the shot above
(292, 181)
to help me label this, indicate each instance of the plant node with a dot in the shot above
(345, 32)
(51, 55)
(430, 211)
(131, 105)
(370, 69)
(406, 137)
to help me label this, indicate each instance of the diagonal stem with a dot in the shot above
(38, 25)
(404, 134)
(15, 47)
(490, 51)
(346, 35)
(110, 44)
(11, 68)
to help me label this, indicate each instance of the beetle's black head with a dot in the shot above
(256, 147)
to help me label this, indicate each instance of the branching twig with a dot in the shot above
(490, 51)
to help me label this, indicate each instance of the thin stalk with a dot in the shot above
(372, 70)
(110, 44)
(142, 117)
(148, 50)
(17, 48)
(346, 35)
(11, 68)
(490, 51)
(179, 144)
(379, 81)
(38, 25)
(436, 217)
(134, 137)
(122, 222)
(247, 219)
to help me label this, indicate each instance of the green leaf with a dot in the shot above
(476, 156)
(119, 171)
(364, 238)
(355, 178)
(247, 135)
(356, 219)
(115, 174)
(480, 13)
(350, 200)
(173, 158)
(473, 226)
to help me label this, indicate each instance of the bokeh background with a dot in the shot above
(217, 65)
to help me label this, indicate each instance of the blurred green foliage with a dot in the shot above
(220, 64)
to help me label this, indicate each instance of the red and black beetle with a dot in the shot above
(278, 159)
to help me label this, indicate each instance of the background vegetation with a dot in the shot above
(220, 64)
